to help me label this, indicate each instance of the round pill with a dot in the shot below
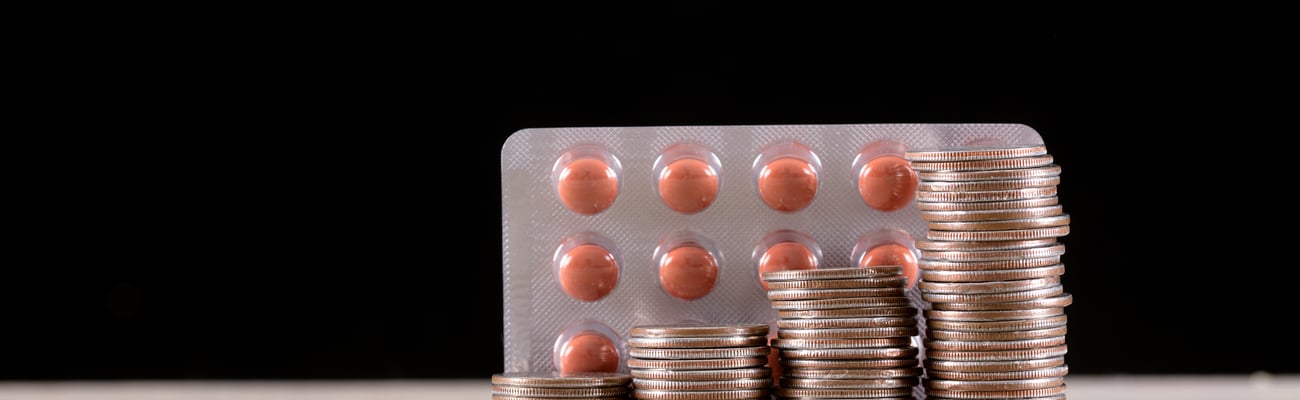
(887, 183)
(785, 256)
(688, 185)
(589, 351)
(893, 254)
(587, 186)
(588, 272)
(688, 272)
(787, 184)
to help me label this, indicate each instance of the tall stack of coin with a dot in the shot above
(845, 333)
(990, 266)
(699, 361)
(551, 385)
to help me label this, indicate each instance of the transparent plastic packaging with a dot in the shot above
(606, 228)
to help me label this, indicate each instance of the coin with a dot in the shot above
(989, 175)
(1016, 384)
(848, 333)
(981, 165)
(929, 245)
(696, 342)
(1054, 250)
(1022, 263)
(995, 394)
(992, 215)
(1049, 302)
(997, 355)
(998, 326)
(735, 394)
(557, 379)
(994, 297)
(843, 393)
(870, 322)
(851, 354)
(530, 391)
(848, 302)
(699, 353)
(696, 364)
(859, 373)
(990, 345)
(617, 397)
(1002, 224)
(702, 374)
(881, 311)
(728, 384)
(994, 275)
(833, 273)
(987, 185)
(993, 314)
(1047, 372)
(983, 153)
(987, 287)
(988, 205)
(880, 282)
(993, 366)
(811, 294)
(985, 195)
(813, 344)
(850, 364)
(879, 383)
(996, 335)
(1011, 234)
(694, 330)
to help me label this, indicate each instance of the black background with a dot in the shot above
(310, 190)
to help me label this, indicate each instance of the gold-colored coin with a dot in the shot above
(988, 205)
(990, 185)
(987, 287)
(985, 196)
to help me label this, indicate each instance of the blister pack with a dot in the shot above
(608, 228)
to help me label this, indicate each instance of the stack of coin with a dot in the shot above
(551, 385)
(845, 333)
(699, 361)
(990, 266)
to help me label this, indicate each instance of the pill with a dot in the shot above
(688, 185)
(589, 351)
(893, 254)
(588, 272)
(787, 184)
(785, 256)
(587, 186)
(887, 183)
(688, 272)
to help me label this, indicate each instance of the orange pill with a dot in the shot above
(587, 186)
(787, 184)
(588, 272)
(893, 254)
(887, 183)
(688, 272)
(688, 185)
(785, 256)
(589, 351)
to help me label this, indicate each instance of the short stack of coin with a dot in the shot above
(845, 333)
(990, 266)
(699, 361)
(552, 385)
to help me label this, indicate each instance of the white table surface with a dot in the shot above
(1081, 387)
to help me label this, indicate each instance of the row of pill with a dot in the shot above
(586, 265)
(688, 176)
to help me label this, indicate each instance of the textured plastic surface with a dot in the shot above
(734, 224)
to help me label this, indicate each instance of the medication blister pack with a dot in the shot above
(608, 228)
